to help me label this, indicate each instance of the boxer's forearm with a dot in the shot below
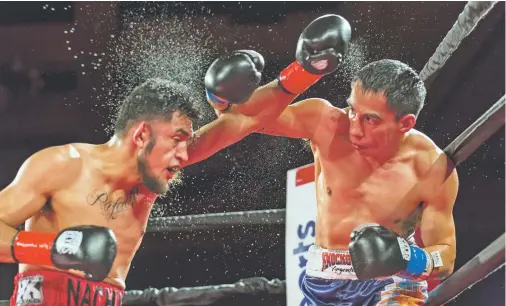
(266, 102)
(218, 134)
(443, 257)
(7, 233)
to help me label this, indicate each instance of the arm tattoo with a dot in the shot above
(409, 225)
(110, 207)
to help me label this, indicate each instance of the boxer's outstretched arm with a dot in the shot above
(315, 119)
(218, 134)
(437, 226)
(231, 85)
(266, 103)
(237, 122)
(305, 119)
(240, 120)
(38, 177)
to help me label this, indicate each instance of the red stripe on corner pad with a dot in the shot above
(304, 175)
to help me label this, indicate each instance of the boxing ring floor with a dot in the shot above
(484, 264)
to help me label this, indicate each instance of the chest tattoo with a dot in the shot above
(110, 207)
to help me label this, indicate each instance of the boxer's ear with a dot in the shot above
(141, 134)
(406, 123)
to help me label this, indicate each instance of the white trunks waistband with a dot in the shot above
(335, 264)
(329, 264)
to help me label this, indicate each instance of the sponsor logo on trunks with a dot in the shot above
(340, 270)
(69, 242)
(331, 259)
(82, 293)
(30, 290)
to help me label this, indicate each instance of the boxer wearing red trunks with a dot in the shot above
(49, 288)
(86, 207)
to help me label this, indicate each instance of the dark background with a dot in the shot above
(64, 66)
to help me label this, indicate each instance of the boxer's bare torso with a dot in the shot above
(353, 189)
(86, 196)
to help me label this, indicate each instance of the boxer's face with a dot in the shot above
(373, 126)
(165, 150)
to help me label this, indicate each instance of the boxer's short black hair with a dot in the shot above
(401, 85)
(153, 99)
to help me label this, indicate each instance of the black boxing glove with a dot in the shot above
(376, 251)
(232, 79)
(320, 50)
(90, 249)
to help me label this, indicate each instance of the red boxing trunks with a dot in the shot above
(50, 288)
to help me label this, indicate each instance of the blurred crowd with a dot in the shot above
(18, 83)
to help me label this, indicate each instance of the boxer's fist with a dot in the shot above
(378, 252)
(320, 50)
(232, 79)
(90, 249)
(323, 44)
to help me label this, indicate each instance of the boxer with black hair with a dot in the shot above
(86, 207)
(377, 181)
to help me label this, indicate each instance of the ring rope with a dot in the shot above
(480, 267)
(205, 295)
(477, 133)
(216, 220)
(468, 19)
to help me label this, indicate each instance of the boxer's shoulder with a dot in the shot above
(52, 166)
(423, 146)
(327, 117)
(67, 156)
(421, 141)
(328, 124)
(431, 161)
(312, 105)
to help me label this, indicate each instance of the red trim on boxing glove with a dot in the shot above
(295, 79)
(33, 248)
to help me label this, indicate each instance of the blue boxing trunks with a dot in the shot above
(330, 280)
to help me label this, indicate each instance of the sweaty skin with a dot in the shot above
(84, 184)
(366, 174)
(77, 191)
